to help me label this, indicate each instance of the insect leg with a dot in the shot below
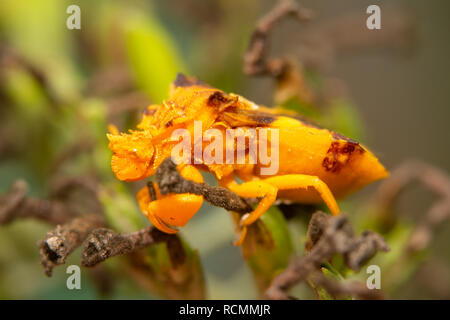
(189, 172)
(295, 181)
(156, 222)
(170, 211)
(252, 189)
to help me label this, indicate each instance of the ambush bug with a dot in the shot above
(315, 164)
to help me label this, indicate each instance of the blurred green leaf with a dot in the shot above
(176, 276)
(341, 116)
(268, 247)
(302, 108)
(37, 30)
(121, 210)
(152, 54)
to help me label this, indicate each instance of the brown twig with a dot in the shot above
(434, 180)
(58, 244)
(318, 48)
(104, 243)
(343, 289)
(321, 45)
(100, 243)
(15, 205)
(72, 227)
(329, 235)
(255, 58)
(423, 233)
(170, 181)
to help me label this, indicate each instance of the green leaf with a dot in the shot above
(176, 276)
(344, 118)
(152, 54)
(268, 247)
(121, 210)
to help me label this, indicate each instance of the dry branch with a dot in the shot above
(104, 243)
(318, 48)
(343, 289)
(15, 205)
(170, 181)
(320, 45)
(75, 227)
(255, 58)
(71, 227)
(434, 180)
(59, 243)
(329, 235)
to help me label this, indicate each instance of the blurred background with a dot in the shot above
(60, 88)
